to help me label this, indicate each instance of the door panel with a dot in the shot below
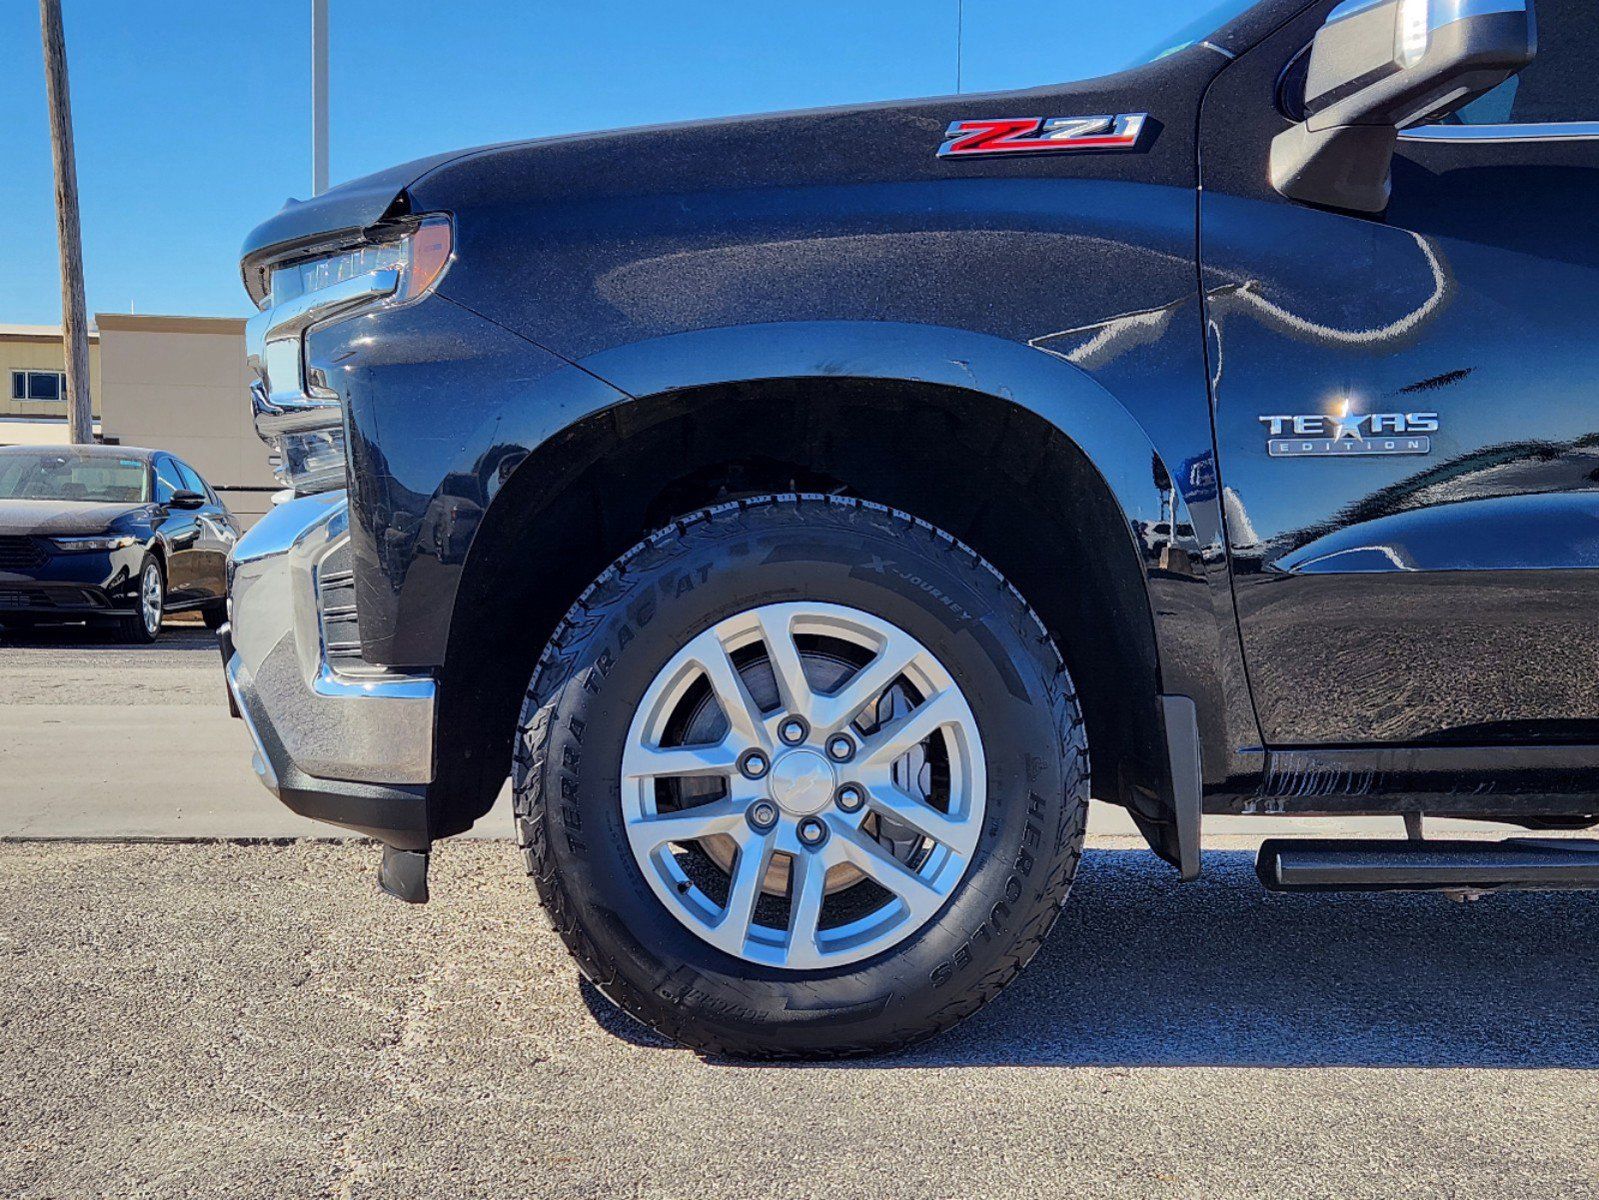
(216, 538)
(1445, 588)
(180, 531)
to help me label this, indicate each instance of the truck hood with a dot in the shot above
(338, 212)
(346, 210)
(58, 517)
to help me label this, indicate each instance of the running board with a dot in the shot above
(1388, 865)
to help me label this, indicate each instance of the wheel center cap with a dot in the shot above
(803, 782)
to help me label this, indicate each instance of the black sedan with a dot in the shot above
(112, 535)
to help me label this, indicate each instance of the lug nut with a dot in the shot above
(850, 798)
(763, 814)
(754, 764)
(793, 730)
(812, 832)
(840, 747)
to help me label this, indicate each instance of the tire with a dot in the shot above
(143, 626)
(653, 948)
(215, 616)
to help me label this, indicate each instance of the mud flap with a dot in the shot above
(1181, 720)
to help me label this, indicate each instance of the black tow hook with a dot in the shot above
(404, 874)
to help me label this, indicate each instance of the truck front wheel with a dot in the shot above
(801, 776)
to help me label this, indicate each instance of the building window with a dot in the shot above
(38, 385)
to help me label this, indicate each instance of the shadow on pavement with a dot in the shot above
(183, 637)
(1144, 972)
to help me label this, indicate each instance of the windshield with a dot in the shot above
(64, 475)
(1197, 30)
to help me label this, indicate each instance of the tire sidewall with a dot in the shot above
(924, 584)
(135, 627)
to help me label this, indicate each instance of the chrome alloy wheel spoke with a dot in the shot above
(731, 931)
(704, 820)
(807, 796)
(151, 596)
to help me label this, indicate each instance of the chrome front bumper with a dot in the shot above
(335, 739)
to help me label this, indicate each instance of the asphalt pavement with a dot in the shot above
(246, 1017)
(255, 1021)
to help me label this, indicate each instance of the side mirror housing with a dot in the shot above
(182, 499)
(1379, 66)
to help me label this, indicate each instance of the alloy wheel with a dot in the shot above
(803, 785)
(150, 598)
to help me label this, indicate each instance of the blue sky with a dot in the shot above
(193, 116)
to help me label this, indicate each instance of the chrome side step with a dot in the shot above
(1388, 865)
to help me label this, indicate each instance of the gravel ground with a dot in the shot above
(253, 1020)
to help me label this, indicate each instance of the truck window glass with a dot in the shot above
(1560, 85)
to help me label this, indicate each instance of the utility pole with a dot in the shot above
(960, 41)
(319, 97)
(74, 319)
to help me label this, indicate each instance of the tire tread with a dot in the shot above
(561, 661)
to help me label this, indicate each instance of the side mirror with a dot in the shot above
(186, 500)
(1379, 66)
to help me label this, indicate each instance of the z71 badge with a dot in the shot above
(1041, 135)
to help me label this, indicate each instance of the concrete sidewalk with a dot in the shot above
(183, 771)
(99, 740)
(145, 770)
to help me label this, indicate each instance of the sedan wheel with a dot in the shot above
(144, 624)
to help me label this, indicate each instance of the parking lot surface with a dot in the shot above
(252, 1019)
(99, 739)
(208, 1020)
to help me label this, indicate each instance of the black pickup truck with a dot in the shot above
(805, 511)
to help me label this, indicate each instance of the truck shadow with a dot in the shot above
(1144, 972)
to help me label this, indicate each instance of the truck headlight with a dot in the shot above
(299, 418)
(419, 256)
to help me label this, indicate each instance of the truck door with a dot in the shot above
(1407, 410)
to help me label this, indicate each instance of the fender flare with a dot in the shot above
(1036, 380)
(1114, 443)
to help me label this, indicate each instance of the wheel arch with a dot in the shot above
(1012, 450)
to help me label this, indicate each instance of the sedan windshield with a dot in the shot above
(64, 475)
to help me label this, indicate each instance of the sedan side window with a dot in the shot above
(1560, 85)
(167, 480)
(192, 481)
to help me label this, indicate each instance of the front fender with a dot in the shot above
(1184, 569)
(505, 398)
(1062, 394)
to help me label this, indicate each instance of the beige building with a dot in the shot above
(181, 384)
(170, 383)
(33, 374)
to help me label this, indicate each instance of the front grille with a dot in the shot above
(18, 553)
(54, 598)
(341, 630)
